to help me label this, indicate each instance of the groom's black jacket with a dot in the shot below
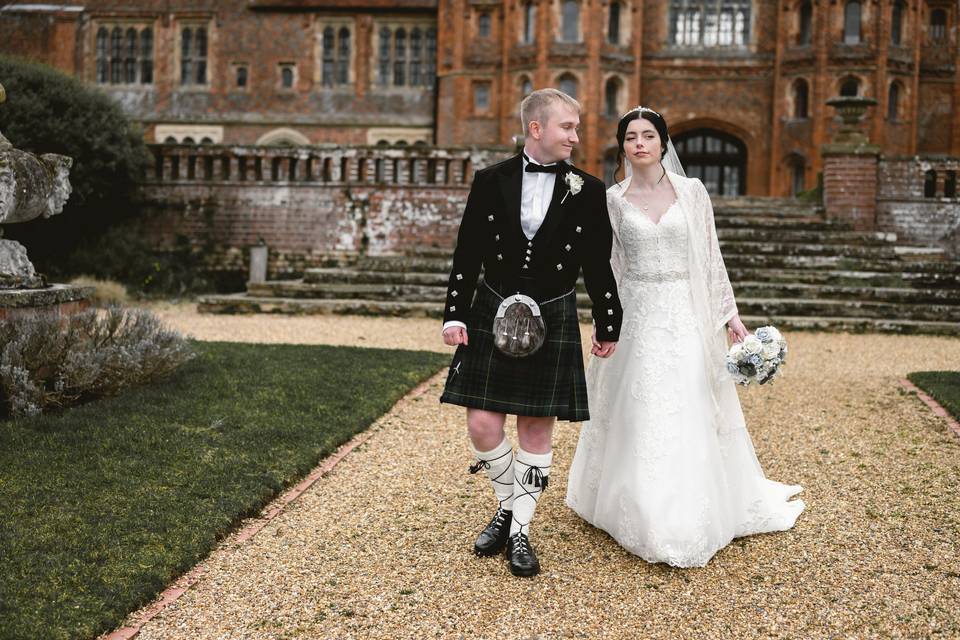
(574, 234)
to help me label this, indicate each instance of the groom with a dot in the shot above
(531, 222)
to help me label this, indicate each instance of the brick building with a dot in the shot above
(742, 83)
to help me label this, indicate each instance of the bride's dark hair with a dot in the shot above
(658, 123)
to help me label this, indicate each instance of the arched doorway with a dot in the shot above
(717, 158)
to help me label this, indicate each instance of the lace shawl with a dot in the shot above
(713, 300)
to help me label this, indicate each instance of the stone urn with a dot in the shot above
(31, 187)
(851, 110)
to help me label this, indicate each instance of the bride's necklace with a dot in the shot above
(644, 204)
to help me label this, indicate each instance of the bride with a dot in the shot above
(666, 465)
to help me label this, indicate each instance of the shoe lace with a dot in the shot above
(500, 517)
(520, 543)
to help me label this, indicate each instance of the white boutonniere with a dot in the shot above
(574, 182)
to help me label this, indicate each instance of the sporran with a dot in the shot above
(518, 327)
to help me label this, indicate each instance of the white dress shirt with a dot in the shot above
(535, 198)
(535, 195)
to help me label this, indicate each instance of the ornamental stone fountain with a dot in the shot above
(31, 187)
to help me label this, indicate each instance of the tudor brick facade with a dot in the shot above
(742, 83)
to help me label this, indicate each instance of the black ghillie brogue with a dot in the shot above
(523, 561)
(493, 538)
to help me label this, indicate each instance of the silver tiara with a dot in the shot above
(641, 109)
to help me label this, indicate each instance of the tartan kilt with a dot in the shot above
(550, 382)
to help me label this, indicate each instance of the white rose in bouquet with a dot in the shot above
(752, 345)
(736, 351)
(771, 350)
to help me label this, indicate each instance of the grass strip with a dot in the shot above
(942, 386)
(103, 505)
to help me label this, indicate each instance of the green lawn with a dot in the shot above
(103, 505)
(942, 386)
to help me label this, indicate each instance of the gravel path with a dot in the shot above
(380, 548)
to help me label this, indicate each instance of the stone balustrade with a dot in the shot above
(307, 203)
(334, 165)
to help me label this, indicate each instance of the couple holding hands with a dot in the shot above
(664, 463)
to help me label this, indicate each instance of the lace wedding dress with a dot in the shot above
(650, 468)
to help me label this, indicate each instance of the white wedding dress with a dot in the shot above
(650, 468)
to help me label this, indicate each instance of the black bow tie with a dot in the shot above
(541, 168)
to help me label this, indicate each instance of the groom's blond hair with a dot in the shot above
(536, 106)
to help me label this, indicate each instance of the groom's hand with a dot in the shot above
(454, 336)
(603, 349)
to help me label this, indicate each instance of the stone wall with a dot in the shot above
(307, 203)
(919, 211)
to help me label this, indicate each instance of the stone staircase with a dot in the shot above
(789, 266)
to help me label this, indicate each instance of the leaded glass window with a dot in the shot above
(851, 22)
(529, 23)
(103, 62)
(343, 56)
(613, 23)
(193, 56)
(571, 21)
(406, 57)
(710, 23)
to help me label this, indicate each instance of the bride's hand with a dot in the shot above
(736, 330)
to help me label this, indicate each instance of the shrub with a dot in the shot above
(50, 112)
(52, 362)
(106, 292)
(124, 253)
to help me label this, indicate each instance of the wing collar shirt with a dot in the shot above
(535, 195)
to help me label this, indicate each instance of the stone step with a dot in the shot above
(732, 248)
(738, 255)
(752, 298)
(891, 295)
(840, 278)
(805, 236)
(321, 276)
(809, 224)
(386, 291)
(242, 303)
(410, 264)
(849, 278)
(735, 260)
(769, 207)
(920, 254)
(298, 289)
(847, 308)
(855, 325)
(383, 288)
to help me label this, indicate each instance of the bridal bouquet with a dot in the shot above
(758, 357)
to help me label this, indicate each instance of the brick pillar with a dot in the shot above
(850, 165)
(850, 184)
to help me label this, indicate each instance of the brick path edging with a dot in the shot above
(935, 406)
(180, 586)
